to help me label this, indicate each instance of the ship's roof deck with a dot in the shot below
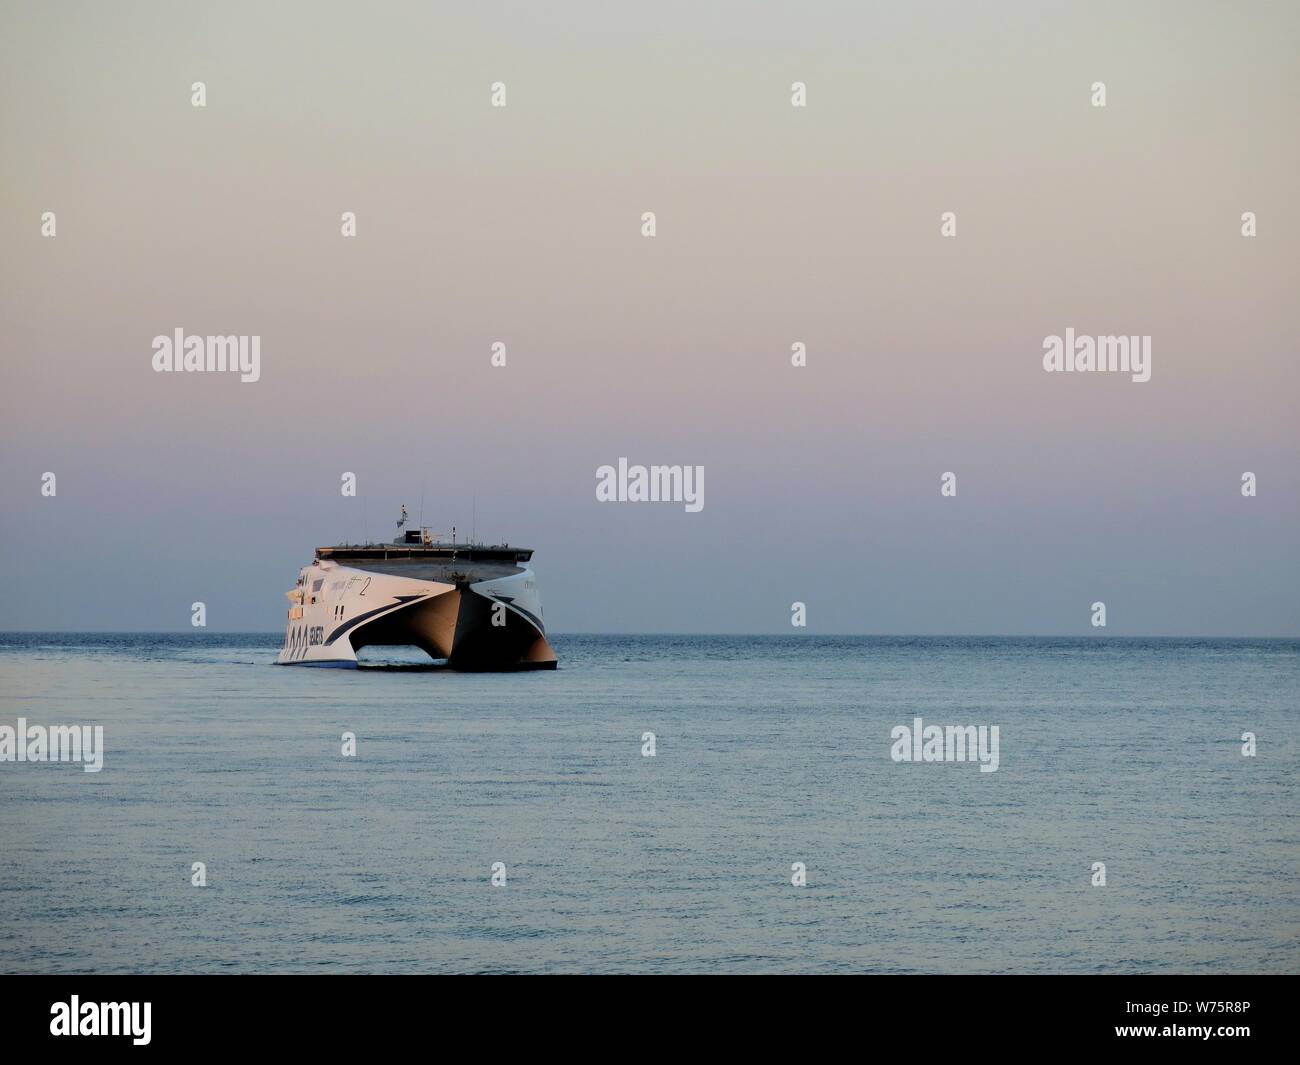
(348, 553)
(445, 563)
(446, 572)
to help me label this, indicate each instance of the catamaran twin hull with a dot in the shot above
(477, 607)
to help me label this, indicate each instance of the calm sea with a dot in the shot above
(770, 751)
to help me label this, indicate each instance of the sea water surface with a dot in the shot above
(769, 751)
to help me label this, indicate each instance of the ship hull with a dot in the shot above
(493, 623)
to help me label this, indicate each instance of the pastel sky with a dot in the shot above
(775, 225)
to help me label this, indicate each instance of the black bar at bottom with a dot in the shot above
(338, 1013)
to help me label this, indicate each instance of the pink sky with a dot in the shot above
(775, 224)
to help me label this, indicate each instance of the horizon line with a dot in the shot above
(791, 635)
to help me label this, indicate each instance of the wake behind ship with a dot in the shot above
(474, 605)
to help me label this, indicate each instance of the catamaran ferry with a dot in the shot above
(473, 605)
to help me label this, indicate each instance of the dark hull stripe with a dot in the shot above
(510, 604)
(402, 600)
